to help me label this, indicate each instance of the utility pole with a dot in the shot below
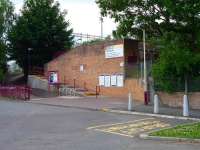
(101, 20)
(145, 67)
(28, 62)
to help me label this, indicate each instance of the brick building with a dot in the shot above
(112, 65)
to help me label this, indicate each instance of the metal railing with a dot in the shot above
(16, 92)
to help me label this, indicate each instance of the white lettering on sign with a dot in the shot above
(114, 51)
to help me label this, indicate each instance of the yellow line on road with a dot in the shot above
(106, 125)
(114, 133)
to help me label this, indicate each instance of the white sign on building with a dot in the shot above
(120, 80)
(113, 80)
(107, 81)
(101, 80)
(81, 68)
(114, 51)
(53, 77)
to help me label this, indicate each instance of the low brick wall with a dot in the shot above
(176, 99)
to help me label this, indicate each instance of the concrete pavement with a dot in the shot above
(109, 103)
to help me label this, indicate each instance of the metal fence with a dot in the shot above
(16, 92)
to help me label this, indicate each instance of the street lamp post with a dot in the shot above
(29, 60)
(101, 20)
(145, 69)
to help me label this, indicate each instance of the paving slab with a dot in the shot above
(109, 103)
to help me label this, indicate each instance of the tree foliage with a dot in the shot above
(6, 17)
(174, 25)
(42, 28)
(176, 64)
(156, 16)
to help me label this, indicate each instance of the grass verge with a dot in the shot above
(191, 131)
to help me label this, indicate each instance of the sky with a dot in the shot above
(83, 16)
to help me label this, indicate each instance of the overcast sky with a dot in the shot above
(83, 16)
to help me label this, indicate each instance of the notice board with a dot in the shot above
(53, 77)
(114, 51)
(113, 80)
(101, 80)
(107, 81)
(120, 80)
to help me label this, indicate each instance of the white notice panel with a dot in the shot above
(113, 80)
(101, 80)
(120, 80)
(114, 51)
(107, 81)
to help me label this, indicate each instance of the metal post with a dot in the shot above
(29, 60)
(74, 83)
(130, 102)
(185, 106)
(156, 104)
(101, 19)
(145, 70)
(96, 93)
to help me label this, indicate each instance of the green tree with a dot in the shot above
(176, 64)
(41, 28)
(6, 17)
(174, 25)
(156, 16)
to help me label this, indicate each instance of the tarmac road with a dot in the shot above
(27, 126)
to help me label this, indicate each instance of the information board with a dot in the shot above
(114, 51)
(107, 81)
(120, 80)
(101, 80)
(53, 77)
(113, 80)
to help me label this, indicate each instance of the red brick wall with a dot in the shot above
(95, 64)
(176, 99)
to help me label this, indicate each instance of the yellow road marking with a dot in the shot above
(106, 125)
(110, 132)
(131, 128)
